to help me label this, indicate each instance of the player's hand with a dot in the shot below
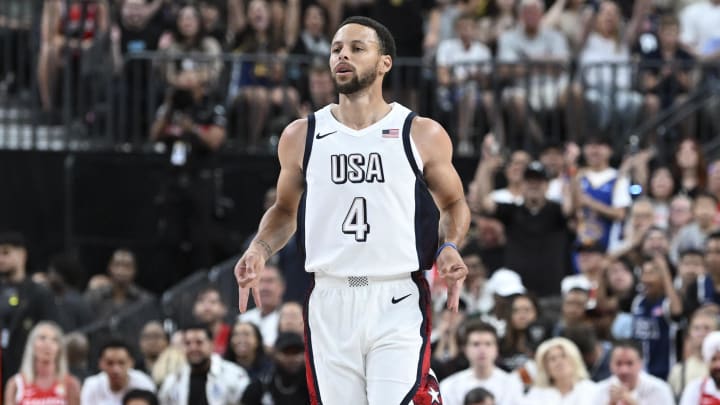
(453, 271)
(247, 273)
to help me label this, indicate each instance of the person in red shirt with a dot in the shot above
(43, 378)
(210, 309)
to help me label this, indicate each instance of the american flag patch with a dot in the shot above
(390, 133)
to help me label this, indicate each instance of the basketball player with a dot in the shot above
(365, 180)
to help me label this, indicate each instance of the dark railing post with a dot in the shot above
(69, 188)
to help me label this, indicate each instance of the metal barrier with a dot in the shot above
(103, 108)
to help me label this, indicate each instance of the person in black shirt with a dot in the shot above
(285, 384)
(537, 230)
(22, 302)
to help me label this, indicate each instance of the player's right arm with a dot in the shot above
(279, 221)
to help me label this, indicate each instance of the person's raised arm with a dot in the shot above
(483, 183)
(278, 223)
(446, 188)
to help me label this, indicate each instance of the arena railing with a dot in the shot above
(103, 108)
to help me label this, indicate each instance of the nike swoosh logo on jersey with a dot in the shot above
(318, 136)
(395, 301)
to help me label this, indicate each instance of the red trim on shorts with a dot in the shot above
(310, 373)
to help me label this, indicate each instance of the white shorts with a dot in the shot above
(368, 341)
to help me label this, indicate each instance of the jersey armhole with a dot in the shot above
(308, 141)
(410, 150)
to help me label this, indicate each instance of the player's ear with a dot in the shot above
(386, 63)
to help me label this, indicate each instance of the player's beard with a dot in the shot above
(357, 83)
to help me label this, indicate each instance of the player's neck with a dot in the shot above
(361, 109)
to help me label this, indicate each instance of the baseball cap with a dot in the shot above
(505, 282)
(575, 282)
(287, 341)
(12, 238)
(535, 170)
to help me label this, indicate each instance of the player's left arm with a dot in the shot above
(435, 149)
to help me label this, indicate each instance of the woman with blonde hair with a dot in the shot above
(561, 375)
(43, 377)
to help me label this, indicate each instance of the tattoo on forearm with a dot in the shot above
(265, 246)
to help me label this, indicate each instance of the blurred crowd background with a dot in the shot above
(138, 140)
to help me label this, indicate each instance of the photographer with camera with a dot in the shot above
(189, 128)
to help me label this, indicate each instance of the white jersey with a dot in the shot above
(366, 210)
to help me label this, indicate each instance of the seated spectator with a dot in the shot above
(481, 350)
(629, 384)
(313, 40)
(140, 397)
(620, 284)
(692, 366)
(291, 318)
(667, 69)
(257, 82)
(211, 13)
(681, 214)
(605, 70)
(63, 272)
(538, 77)
(320, 90)
(211, 310)
(706, 289)
(699, 24)
(660, 192)
(694, 234)
(523, 333)
(561, 375)
(654, 311)
(705, 390)
(44, 376)
(640, 220)
(689, 167)
(153, 341)
(187, 72)
(575, 297)
(690, 267)
(116, 378)
(462, 70)
(77, 348)
(207, 378)
(601, 194)
(504, 285)
(122, 292)
(247, 350)
(595, 353)
(479, 396)
(24, 303)
(75, 28)
(271, 290)
(286, 383)
(475, 293)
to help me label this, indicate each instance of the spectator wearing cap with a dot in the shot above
(504, 285)
(706, 391)
(207, 378)
(481, 350)
(706, 289)
(536, 229)
(22, 302)
(575, 297)
(654, 312)
(286, 383)
(601, 195)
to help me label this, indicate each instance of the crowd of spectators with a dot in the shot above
(594, 274)
(527, 70)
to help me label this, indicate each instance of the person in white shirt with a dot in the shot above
(700, 24)
(561, 375)
(463, 63)
(207, 378)
(117, 376)
(705, 390)
(272, 288)
(481, 350)
(629, 384)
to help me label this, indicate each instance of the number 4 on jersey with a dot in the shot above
(355, 222)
